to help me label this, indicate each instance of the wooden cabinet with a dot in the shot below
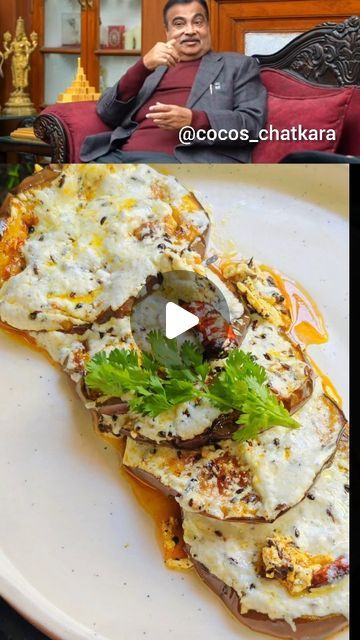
(80, 28)
(265, 26)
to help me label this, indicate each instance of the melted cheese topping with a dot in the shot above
(250, 479)
(317, 526)
(96, 241)
(284, 362)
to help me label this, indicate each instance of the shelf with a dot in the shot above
(117, 52)
(61, 50)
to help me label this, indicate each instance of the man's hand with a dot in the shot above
(161, 53)
(170, 116)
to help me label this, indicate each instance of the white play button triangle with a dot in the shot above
(178, 320)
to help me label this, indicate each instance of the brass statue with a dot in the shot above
(20, 48)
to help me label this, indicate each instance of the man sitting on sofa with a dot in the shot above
(181, 83)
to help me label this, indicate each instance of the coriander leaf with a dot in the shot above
(261, 410)
(164, 350)
(240, 365)
(123, 358)
(191, 354)
(148, 362)
(181, 374)
(178, 391)
(115, 373)
(227, 392)
(203, 370)
(150, 406)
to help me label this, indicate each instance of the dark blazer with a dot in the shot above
(227, 87)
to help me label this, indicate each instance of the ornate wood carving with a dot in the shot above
(326, 55)
(48, 127)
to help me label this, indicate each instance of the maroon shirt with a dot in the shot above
(174, 88)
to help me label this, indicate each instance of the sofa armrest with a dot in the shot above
(65, 126)
(50, 129)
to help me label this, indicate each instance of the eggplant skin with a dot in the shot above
(221, 429)
(306, 628)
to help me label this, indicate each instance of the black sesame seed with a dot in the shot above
(33, 315)
(297, 532)
(266, 355)
(310, 496)
(276, 442)
(31, 229)
(252, 586)
(347, 488)
(161, 246)
(78, 305)
(102, 220)
(41, 238)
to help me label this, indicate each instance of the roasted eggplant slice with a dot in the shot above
(286, 602)
(255, 480)
(88, 239)
(304, 628)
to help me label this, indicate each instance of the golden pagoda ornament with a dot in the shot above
(79, 90)
(20, 49)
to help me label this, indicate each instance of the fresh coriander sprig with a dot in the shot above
(242, 386)
(163, 379)
(171, 375)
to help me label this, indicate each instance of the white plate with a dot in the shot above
(78, 555)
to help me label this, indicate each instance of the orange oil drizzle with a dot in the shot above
(21, 337)
(328, 386)
(160, 507)
(307, 324)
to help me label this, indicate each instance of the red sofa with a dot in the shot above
(314, 82)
